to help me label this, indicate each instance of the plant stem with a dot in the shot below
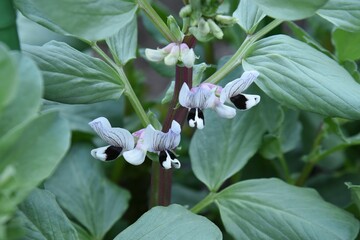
(8, 29)
(156, 19)
(285, 168)
(129, 92)
(204, 203)
(161, 178)
(236, 59)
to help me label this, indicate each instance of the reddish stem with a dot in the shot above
(182, 75)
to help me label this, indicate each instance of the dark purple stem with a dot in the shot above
(164, 181)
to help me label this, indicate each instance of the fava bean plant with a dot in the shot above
(193, 119)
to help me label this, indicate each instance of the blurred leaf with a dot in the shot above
(355, 192)
(344, 14)
(154, 120)
(88, 19)
(298, 76)
(152, 30)
(8, 76)
(79, 115)
(43, 142)
(28, 94)
(346, 44)
(352, 68)
(272, 209)
(169, 93)
(123, 44)
(82, 233)
(43, 219)
(248, 15)
(290, 9)
(230, 143)
(168, 223)
(74, 77)
(82, 190)
(185, 196)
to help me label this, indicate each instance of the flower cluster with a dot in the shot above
(211, 96)
(135, 146)
(171, 54)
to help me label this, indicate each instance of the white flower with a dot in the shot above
(232, 92)
(172, 54)
(199, 98)
(120, 140)
(158, 142)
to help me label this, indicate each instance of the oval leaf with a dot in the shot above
(248, 15)
(272, 209)
(43, 219)
(168, 223)
(297, 75)
(124, 43)
(346, 44)
(35, 149)
(290, 9)
(229, 145)
(81, 188)
(74, 77)
(28, 94)
(344, 14)
(87, 19)
(8, 76)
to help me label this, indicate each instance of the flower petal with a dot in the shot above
(172, 58)
(157, 141)
(225, 111)
(184, 95)
(245, 101)
(196, 118)
(167, 159)
(238, 85)
(118, 137)
(187, 55)
(154, 55)
(106, 153)
(135, 156)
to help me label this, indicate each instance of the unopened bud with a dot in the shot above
(185, 11)
(199, 36)
(174, 28)
(225, 20)
(187, 55)
(203, 27)
(215, 29)
(172, 58)
(154, 55)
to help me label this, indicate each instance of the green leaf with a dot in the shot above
(35, 149)
(79, 115)
(8, 76)
(87, 19)
(229, 145)
(28, 93)
(290, 9)
(346, 44)
(43, 219)
(344, 14)
(355, 192)
(272, 209)
(168, 223)
(124, 43)
(82, 189)
(74, 77)
(248, 15)
(299, 76)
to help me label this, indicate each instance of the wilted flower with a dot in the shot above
(158, 142)
(120, 140)
(171, 54)
(233, 91)
(199, 98)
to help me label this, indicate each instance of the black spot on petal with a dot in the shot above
(162, 157)
(239, 101)
(171, 154)
(191, 114)
(201, 115)
(113, 152)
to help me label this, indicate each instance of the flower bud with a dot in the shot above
(185, 11)
(203, 27)
(225, 20)
(172, 58)
(174, 28)
(154, 55)
(187, 55)
(215, 29)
